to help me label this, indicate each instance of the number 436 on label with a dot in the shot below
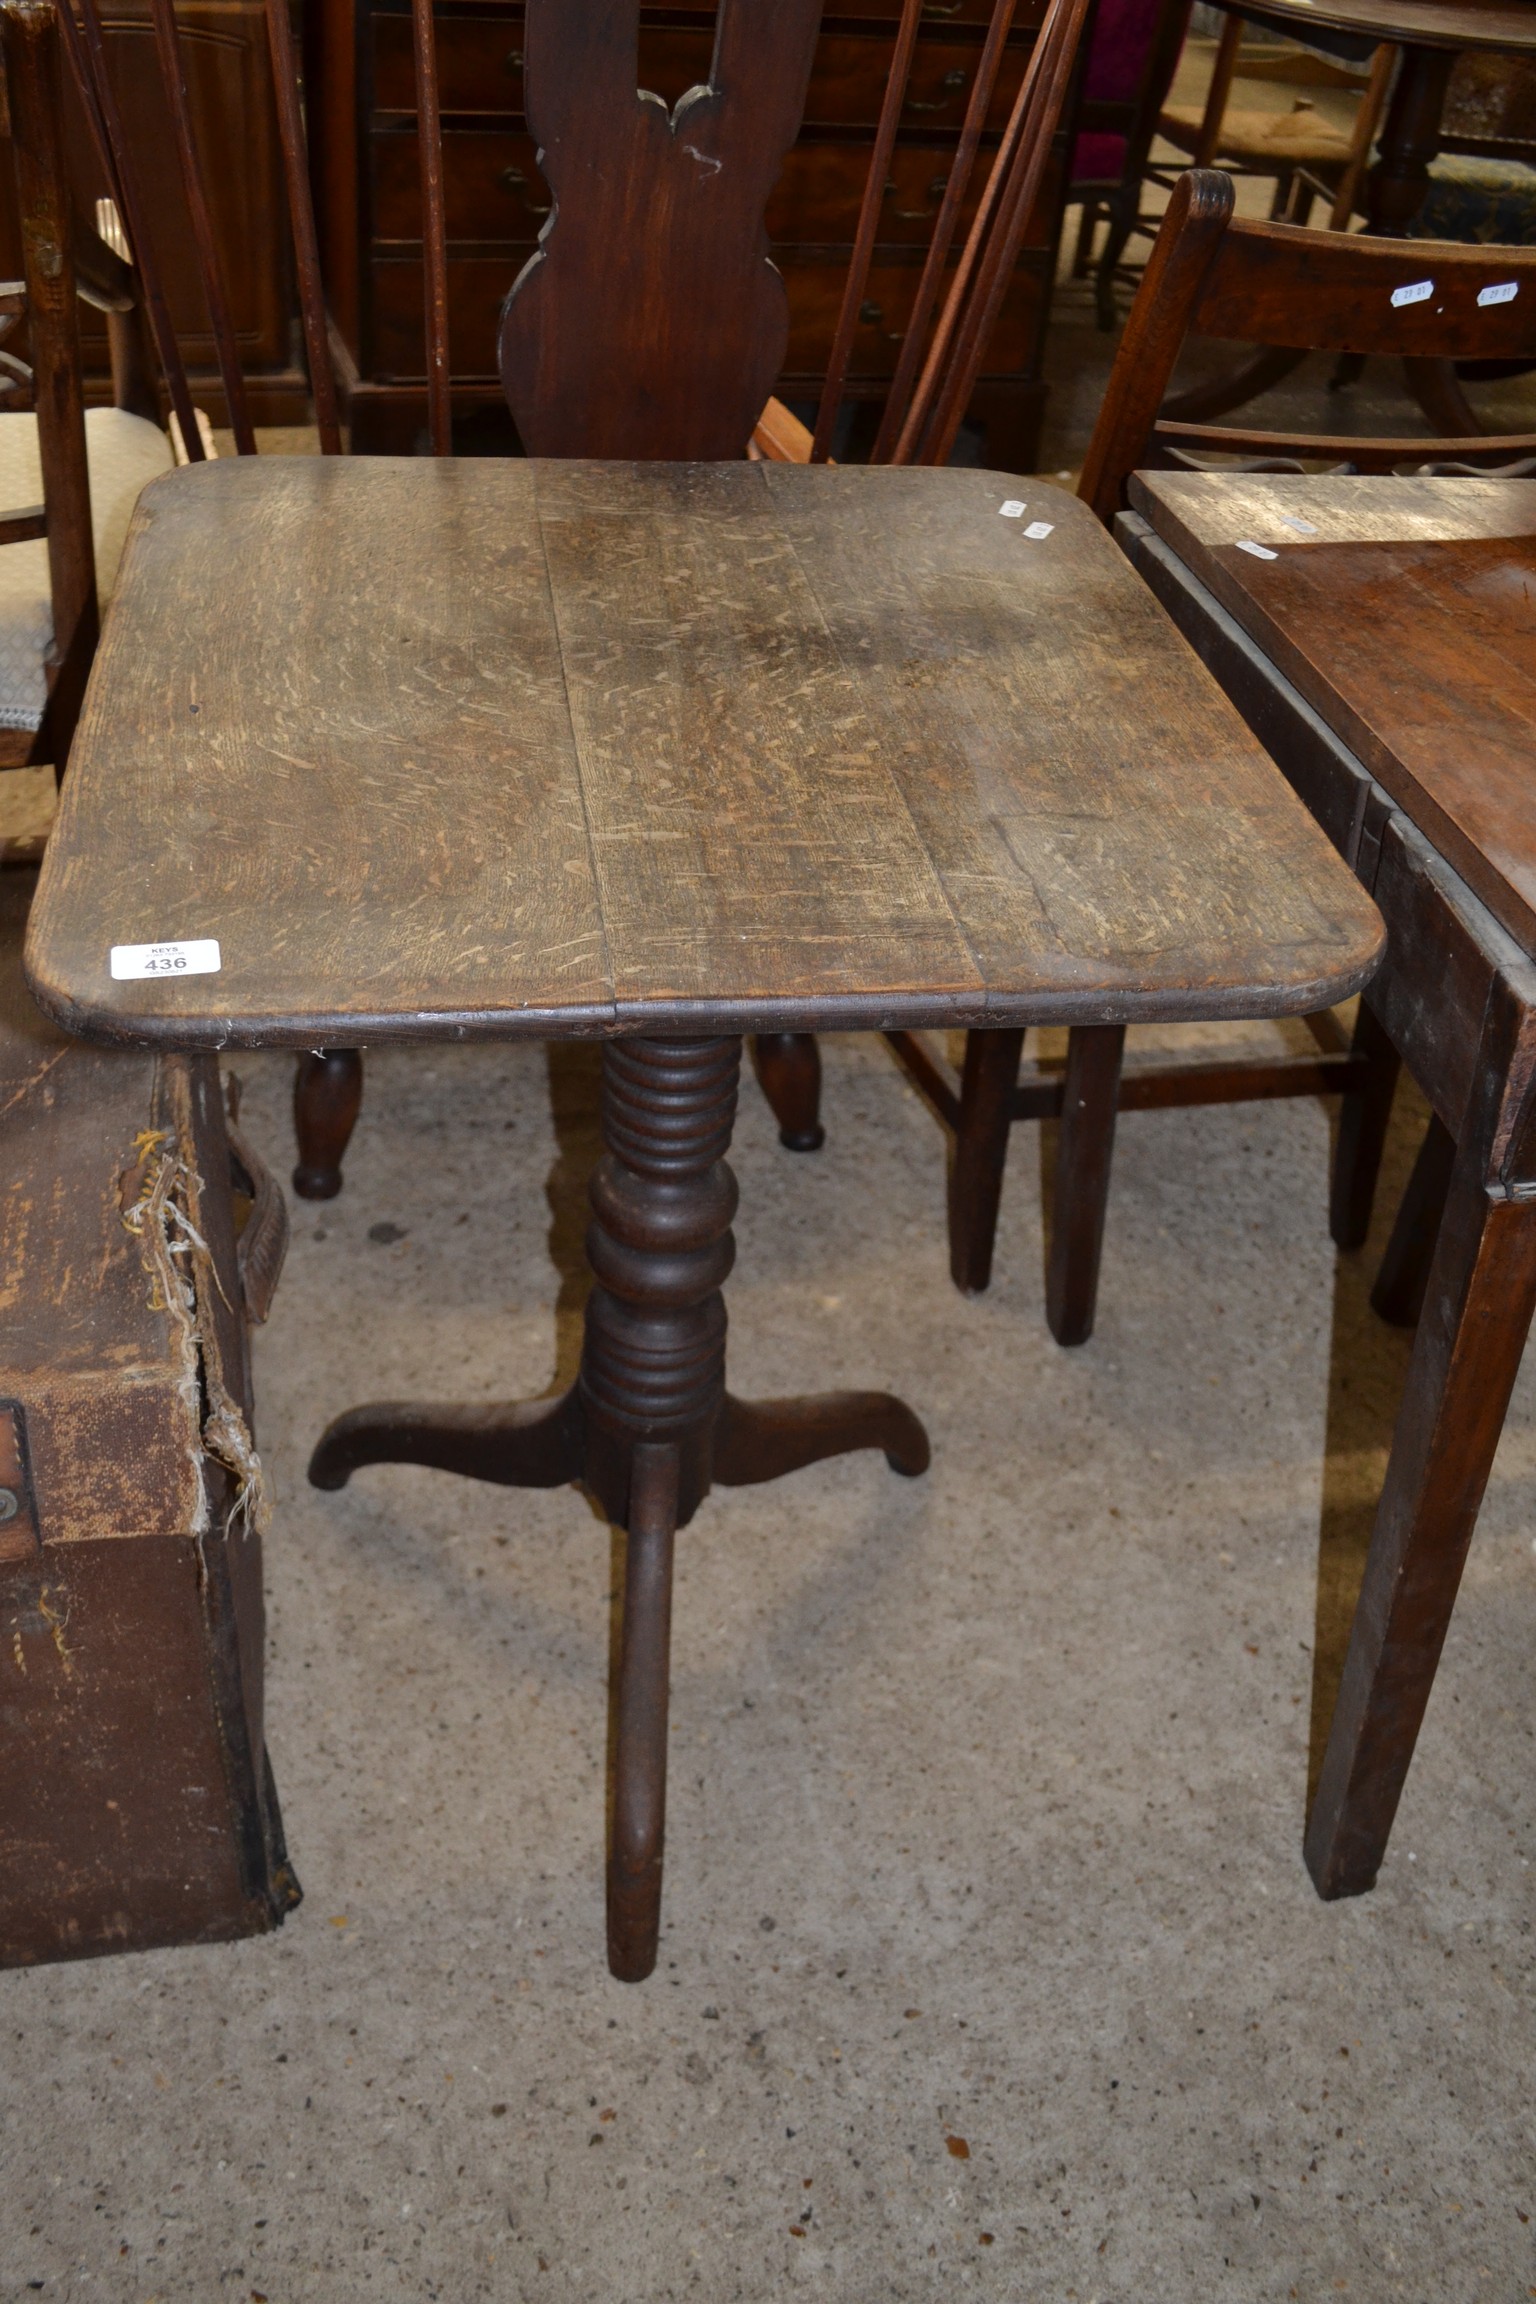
(199, 957)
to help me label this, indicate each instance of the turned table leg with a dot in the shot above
(648, 1425)
(1409, 140)
(327, 1096)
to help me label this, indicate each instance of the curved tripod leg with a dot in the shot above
(534, 1444)
(1437, 388)
(640, 1772)
(1234, 389)
(762, 1439)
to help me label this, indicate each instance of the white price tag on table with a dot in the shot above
(1259, 551)
(1038, 530)
(199, 957)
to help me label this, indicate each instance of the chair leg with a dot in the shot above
(1090, 1100)
(788, 1067)
(1437, 389)
(1403, 1280)
(987, 1084)
(327, 1093)
(1082, 253)
(640, 1789)
(1121, 213)
(1363, 1117)
(1482, 1289)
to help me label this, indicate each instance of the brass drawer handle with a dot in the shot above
(922, 215)
(953, 81)
(513, 60)
(513, 180)
(939, 7)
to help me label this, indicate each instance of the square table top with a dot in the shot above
(494, 747)
(1404, 610)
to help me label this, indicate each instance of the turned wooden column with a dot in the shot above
(660, 1248)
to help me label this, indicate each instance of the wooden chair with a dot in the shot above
(1214, 275)
(87, 467)
(1306, 155)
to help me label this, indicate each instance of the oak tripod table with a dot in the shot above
(1382, 641)
(659, 754)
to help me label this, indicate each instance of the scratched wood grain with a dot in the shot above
(352, 765)
(505, 748)
(1408, 621)
(1076, 774)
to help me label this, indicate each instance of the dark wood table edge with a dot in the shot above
(1294, 20)
(1456, 1001)
(1504, 902)
(697, 1019)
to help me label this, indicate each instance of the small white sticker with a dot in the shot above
(1504, 293)
(1038, 530)
(200, 957)
(1012, 510)
(1302, 527)
(1419, 292)
(1259, 551)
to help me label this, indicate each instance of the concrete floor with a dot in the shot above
(990, 1962)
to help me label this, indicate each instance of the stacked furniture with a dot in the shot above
(136, 1807)
(367, 184)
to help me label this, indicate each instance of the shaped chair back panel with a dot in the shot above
(1333, 291)
(651, 323)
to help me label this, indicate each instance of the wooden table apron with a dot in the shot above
(1456, 998)
(659, 754)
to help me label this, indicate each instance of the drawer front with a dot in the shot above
(491, 184)
(478, 285)
(480, 69)
(494, 190)
(477, 289)
(820, 193)
(815, 290)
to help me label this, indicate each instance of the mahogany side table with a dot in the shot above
(660, 754)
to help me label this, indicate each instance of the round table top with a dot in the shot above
(1508, 24)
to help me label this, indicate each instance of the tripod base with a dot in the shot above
(648, 1427)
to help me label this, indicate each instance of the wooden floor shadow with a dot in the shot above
(1367, 1368)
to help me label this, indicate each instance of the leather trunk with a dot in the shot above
(136, 1803)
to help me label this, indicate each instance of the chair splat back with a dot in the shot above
(1214, 274)
(1334, 292)
(650, 322)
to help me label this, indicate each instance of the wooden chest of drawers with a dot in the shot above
(364, 132)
